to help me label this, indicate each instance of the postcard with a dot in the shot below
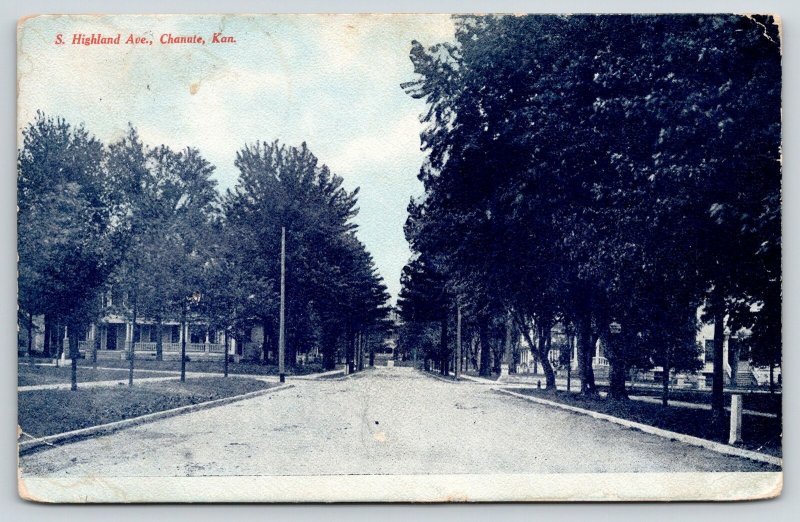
(399, 258)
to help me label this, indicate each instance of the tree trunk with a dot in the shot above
(290, 350)
(159, 336)
(184, 334)
(585, 351)
(30, 338)
(362, 350)
(73, 354)
(618, 370)
(350, 349)
(48, 332)
(718, 380)
(444, 355)
(225, 354)
(133, 343)
(616, 381)
(95, 345)
(540, 348)
(372, 353)
(665, 377)
(549, 374)
(483, 339)
(359, 352)
(497, 355)
(328, 351)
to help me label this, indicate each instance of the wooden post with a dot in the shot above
(458, 342)
(736, 420)
(282, 326)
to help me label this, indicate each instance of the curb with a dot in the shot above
(462, 378)
(687, 439)
(318, 376)
(105, 429)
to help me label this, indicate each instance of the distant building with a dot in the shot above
(738, 367)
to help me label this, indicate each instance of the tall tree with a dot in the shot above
(327, 269)
(62, 224)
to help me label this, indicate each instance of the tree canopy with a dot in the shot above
(595, 169)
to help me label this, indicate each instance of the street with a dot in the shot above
(381, 421)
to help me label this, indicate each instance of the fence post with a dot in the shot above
(736, 420)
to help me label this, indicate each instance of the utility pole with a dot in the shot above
(282, 327)
(458, 342)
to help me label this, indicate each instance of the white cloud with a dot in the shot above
(372, 150)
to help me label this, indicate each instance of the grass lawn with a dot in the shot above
(36, 375)
(491, 377)
(763, 402)
(242, 368)
(759, 433)
(47, 412)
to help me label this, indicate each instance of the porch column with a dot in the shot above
(90, 346)
(574, 341)
(128, 336)
(65, 345)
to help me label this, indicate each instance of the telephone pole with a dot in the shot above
(282, 326)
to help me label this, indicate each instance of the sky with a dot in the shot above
(332, 81)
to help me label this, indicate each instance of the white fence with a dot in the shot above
(150, 347)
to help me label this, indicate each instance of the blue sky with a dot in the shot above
(332, 81)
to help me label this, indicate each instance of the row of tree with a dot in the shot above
(600, 171)
(150, 223)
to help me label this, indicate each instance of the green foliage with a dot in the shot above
(332, 287)
(148, 222)
(163, 203)
(62, 219)
(604, 168)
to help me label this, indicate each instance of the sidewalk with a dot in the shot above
(123, 381)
